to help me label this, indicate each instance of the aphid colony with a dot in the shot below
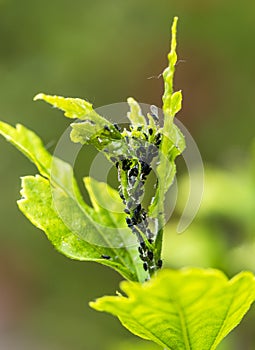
(141, 148)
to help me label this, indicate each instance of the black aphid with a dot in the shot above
(160, 263)
(107, 257)
(143, 245)
(157, 139)
(106, 127)
(133, 172)
(150, 255)
(137, 212)
(145, 168)
(150, 131)
(139, 128)
(140, 250)
(142, 257)
(129, 222)
(145, 266)
(117, 127)
(113, 159)
(121, 195)
(126, 164)
(146, 136)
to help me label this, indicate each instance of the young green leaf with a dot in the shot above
(82, 222)
(93, 129)
(172, 144)
(36, 205)
(135, 115)
(73, 107)
(186, 309)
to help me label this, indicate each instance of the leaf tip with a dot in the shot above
(39, 96)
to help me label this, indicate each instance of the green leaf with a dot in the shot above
(168, 73)
(83, 222)
(176, 103)
(186, 309)
(29, 144)
(93, 129)
(73, 107)
(172, 144)
(135, 115)
(36, 204)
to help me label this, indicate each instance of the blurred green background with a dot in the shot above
(106, 51)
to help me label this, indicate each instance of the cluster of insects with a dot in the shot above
(134, 150)
(133, 170)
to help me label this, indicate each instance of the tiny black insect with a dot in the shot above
(117, 164)
(126, 211)
(139, 128)
(117, 126)
(150, 255)
(129, 222)
(137, 212)
(150, 131)
(160, 263)
(138, 208)
(145, 266)
(146, 136)
(106, 127)
(142, 257)
(133, 172)
(145, 168)
(126, 163)
(140, 250)
(150, 240)
(158, 139)
(143, 245)
(113, 159)
(121, 195)
(107, 257)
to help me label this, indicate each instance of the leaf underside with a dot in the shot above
(183, 310)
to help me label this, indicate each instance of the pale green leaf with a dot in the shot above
(29, 144)
(168, 73)
(135, 115)
(73, 107)
(36, 205)
(172, 144)
(176, 103)
(183, 310)
(92, 128)
(80, 219)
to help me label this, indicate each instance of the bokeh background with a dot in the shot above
(106, 51)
